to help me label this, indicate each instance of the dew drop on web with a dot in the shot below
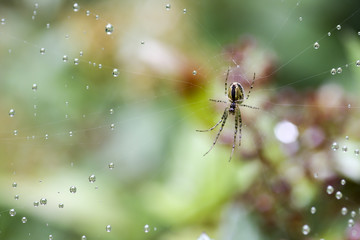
(109, 29)
(306, 229)
(338, 195)
(330, 189)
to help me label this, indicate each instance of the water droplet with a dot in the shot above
(300, 19)
(43, 201)
(109, 29)
(92, 178)
(12, 212)
(14, 185)
(111, 165)
(34, 87)
(339, 70)
(36, 204)
(11, 112)
(111, 111)
(3, 21)
(306, 229)
(142, 42)
(76, 7)
(115, 72)
(333, 71)
(194, 72)
(48, 25)
(313, 210)
(329, 34)
(81, 53)
(338, 195)
(330, 189)
(344, 148)
(76, 61)
(316, 175)
(338, 27)
(83, 237)
(357, 151)
(184, 11)
(73, 189)
(23, 219)
(357, 63)
(351, 222)
(146, 228)
(108, 228)
(97, 17)
(87, 13)
(316, 45)
(335, 146)
(343, 182)
(344, 211)
(67, 36)
(16, 197)
(70, 133)
(42, 51)
(359, 33)
(36, 5)
(168, 6)
(65, 58)
(50, 237)
(100, 65)
(353, 213)
(349, 105)
(61, 205)
(112, 126)
(46, 136)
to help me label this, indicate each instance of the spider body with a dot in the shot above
(236, 97)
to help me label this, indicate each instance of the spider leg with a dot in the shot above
(248, 106)
(214, 100)
(227, 76)
(237, 114)
(240, 123)
(223, 118)
(251, 87)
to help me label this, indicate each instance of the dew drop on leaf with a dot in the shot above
(108, 228)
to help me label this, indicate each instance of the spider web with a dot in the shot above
(124, 106)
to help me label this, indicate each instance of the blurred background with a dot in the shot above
(101, 100)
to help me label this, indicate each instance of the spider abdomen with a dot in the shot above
(236, 92)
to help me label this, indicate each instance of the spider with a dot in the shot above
(236, 96)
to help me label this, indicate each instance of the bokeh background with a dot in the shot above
(295, 176)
